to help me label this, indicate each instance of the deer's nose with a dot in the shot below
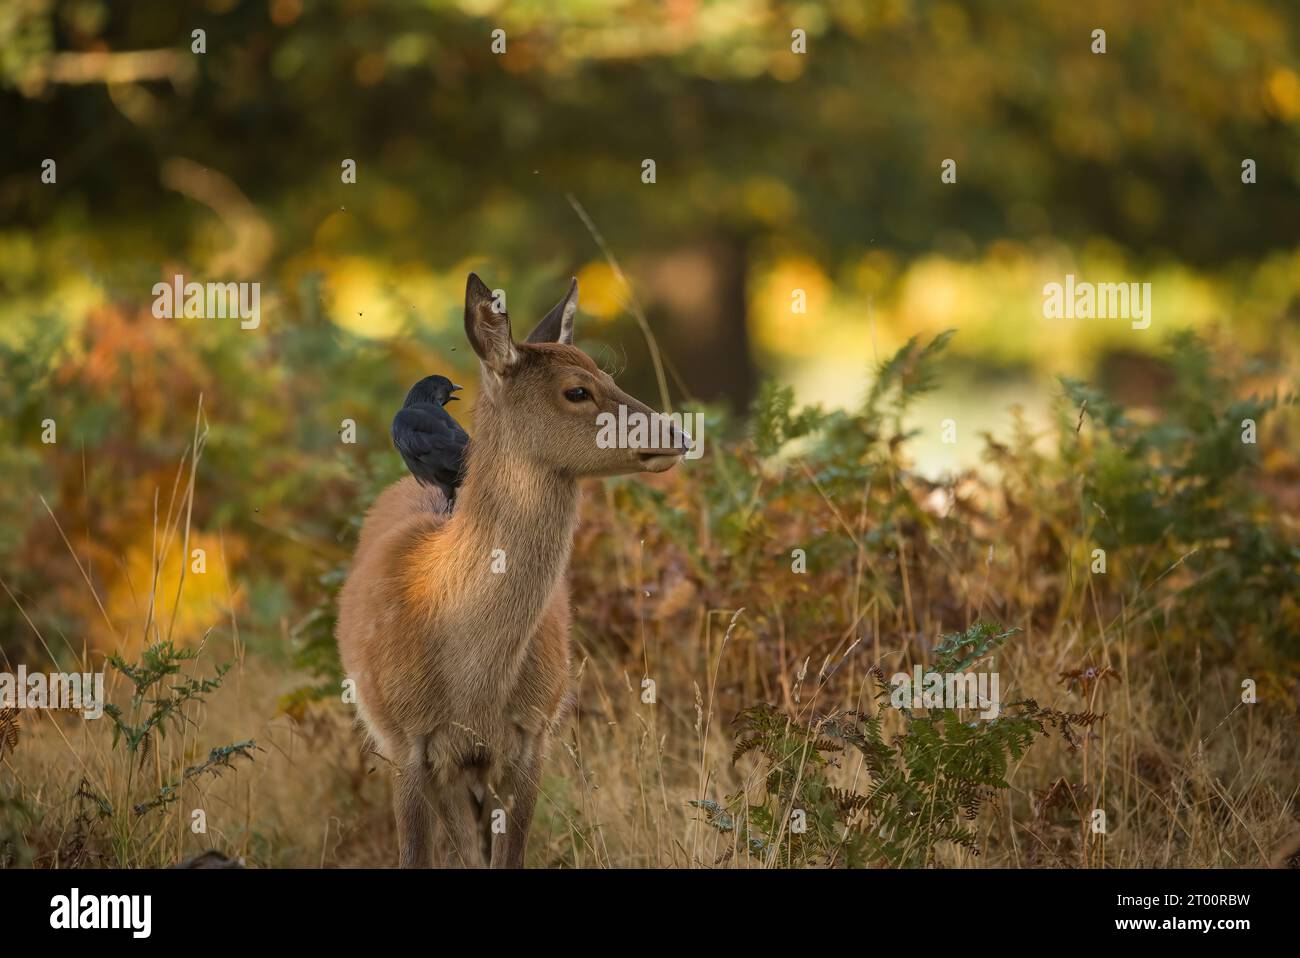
(679, 438)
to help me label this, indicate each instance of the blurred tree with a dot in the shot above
(463, 152)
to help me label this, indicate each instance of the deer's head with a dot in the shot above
(543, 398)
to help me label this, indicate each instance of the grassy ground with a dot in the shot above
(690, 609)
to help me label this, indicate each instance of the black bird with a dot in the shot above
(431, 442)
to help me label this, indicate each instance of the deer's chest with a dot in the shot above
(496, 674)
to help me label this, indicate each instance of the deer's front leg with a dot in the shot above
(518, 791)
(414, 812)
(458, 814)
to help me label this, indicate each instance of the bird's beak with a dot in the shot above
(454, 388)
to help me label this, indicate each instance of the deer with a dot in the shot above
(454, 624)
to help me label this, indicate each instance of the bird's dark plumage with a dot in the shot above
(431, 442)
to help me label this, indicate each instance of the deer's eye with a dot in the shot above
(576, 394)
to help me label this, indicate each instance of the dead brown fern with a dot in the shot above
(10, 728)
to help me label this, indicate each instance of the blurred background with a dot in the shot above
(778, 176)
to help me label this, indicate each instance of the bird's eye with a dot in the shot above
(576, 394)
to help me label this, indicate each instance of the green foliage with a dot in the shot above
(160, 699)
(24, 375)
(154, 705)
(923, 787)
(958, 651)
(1180, 493)
(844, 452)
(218, 759)
(774, 421)
(15, 814)
(909, 373)
(315, 651)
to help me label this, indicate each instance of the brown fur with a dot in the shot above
(461, 672)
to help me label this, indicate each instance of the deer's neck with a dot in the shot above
(511, 504)
(510, 538)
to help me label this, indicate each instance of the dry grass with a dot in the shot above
(617, 792)
(1187, 775)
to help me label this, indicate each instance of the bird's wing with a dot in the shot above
(432, 438)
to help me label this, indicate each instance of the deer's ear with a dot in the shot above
(488, 331)
(557, 325)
